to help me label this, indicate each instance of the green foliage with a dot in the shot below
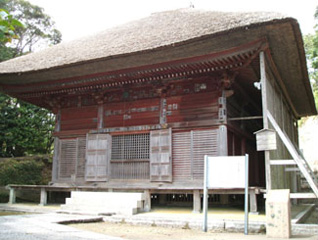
(24, 170)
(25, 129)
(4, 197)
(38, 30)
(311, 48)
(8, 25)
(6, 53)
(21, 172)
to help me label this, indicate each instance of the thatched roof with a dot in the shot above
(165, 37)
(158, 30)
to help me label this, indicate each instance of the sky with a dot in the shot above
(78, 18)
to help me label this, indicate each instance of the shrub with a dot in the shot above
(27, 172)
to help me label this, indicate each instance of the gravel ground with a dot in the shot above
(44, 226)
(138, 232)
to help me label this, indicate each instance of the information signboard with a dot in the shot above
(225, 173)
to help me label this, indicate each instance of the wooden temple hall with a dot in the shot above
(139, 105)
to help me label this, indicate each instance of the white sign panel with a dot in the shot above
(226, 172)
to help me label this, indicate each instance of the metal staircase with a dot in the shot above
(298, 158)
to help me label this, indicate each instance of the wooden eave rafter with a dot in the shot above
(231, 59)
(50, 94)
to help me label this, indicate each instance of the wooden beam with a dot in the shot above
(264, 89)
(253, 202)
(222, 148)
(265, 120)
(12, 196)
(299, 195)
(283, 162)
(302, 164)
(55, 159)
(58, 121)
(43, 197)
(72, 133)
(295, 169)
(100, 116)
(245, 118)
(202, 123)
(163, 112)
(196, 201)
(147, 199)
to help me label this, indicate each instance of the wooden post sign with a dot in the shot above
(266, 140)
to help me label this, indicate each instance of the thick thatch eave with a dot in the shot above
(158, 30)
(170, 36)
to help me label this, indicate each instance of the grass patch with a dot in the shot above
(7, 213)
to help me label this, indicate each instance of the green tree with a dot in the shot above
(8, 26)
(311, 47)
(25, 129)
(39, 29)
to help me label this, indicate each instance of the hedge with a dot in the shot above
(28, 171)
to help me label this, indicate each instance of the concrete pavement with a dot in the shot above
(45, 227)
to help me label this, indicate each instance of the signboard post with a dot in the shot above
(205, 193)
(225, 173)
(246, 196)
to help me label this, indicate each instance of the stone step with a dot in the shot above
(104, 202)
(99, 211)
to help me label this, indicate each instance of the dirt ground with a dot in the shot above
(154, 232)
(139, 232)
(10, 213)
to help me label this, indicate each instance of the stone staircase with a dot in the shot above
(104, 203)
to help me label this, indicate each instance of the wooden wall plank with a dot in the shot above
(97, 157)
(205, 142)
(88, 123)
(82, 112)
(79, 118)
(189, 149)
(81, 152)
(193, 107)
(67, 159)
(188, 107)
(136, 113)
(130, 170)
(160, 155)
(181, 156)
(283, 115)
